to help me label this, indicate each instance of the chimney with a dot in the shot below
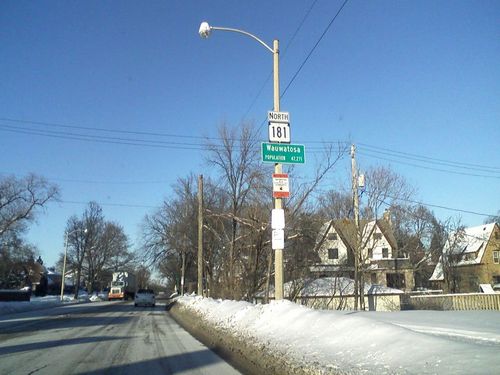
(387, 216)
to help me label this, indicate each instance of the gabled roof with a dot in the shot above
(467, 241)
(346, 229)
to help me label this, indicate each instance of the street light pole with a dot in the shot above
(64, 265)
(65, 256)
(205, 30)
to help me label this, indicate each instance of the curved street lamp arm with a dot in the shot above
(242, 32)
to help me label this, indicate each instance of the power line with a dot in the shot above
(366, 149)
(59, 125)
(428, 159)
(102, 139)
(282, 56)
(314, 47)
(125, 205)
(127, 141)
(430, 205)
(309, 55)
(428, 168)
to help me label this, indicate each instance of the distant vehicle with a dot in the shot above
(145, 297)
(122, 286)
(83, 295)
(103, 294)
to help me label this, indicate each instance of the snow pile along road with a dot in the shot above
(289, 338)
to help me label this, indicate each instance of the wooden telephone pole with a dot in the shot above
(355, 201)
(200, 235)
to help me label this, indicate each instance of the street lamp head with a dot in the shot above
(204, 30)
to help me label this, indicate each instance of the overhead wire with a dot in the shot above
(407, 200)
(314, 48)
(308, 56)
(429, 163)
(282, 56)
(426, 159)
(202, 146)
(427, 167)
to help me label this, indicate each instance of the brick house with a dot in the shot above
(470, 257)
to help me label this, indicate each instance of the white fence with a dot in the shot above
(469, 301)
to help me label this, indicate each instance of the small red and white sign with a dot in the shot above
(281, 186)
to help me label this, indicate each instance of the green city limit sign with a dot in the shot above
(283, 153)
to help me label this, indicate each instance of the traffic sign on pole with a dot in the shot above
(283, 153)
(281, 186)
(279, 132)
(273, 116)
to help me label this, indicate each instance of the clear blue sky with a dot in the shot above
(416, 77)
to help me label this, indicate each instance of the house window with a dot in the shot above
(333, 253)
(496, 256)
(370, 253)
(332, 236)
(377, 236)
(385, 252)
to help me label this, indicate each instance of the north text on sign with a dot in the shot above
(278, 116)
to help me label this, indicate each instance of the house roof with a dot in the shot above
(347, 230)
(467, 241)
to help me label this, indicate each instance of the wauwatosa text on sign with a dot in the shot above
(283, 153)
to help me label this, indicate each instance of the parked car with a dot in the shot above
(145, 297)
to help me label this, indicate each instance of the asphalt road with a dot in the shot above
(102, 338)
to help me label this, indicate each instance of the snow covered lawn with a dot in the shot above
(415, 342)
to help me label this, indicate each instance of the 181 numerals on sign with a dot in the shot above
(279, 132)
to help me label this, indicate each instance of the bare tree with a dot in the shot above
(415, 227)
(169, 234)
(453, 254)
(143, 277)
(335, 205)
(493, 218)
(111, 254)
(96, 248)
(76, 246)
(385, 187)
(236, 159)
(21, 198)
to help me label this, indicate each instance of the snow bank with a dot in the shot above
(37, 303)
(338, 342)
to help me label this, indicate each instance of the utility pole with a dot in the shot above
(278, 204)
(355, 201)
(183, 251)
(200, 235)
